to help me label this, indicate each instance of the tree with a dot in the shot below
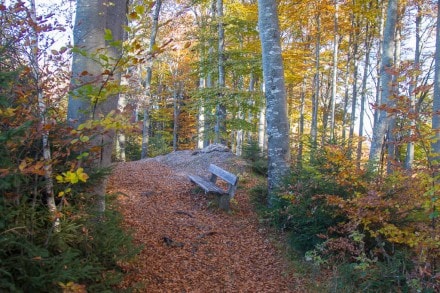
(275, 92)
(381, 125)
(98, 32)
(146, 120)
(436, 103)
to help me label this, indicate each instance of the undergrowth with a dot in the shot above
(358, 232)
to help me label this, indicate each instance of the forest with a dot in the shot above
(334, 105)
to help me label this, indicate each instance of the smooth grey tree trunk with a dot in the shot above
(220, 127)
(301, 127)
(334, 74)
(92, 18)
(379, 60)
(177, 97)
(148, 96)
(392, 148)
(413, 96)
(435, 145)
(381, 126)
(88, 35)
(346, 91)
(354, 93)
(316, 91)
(368, 39)
(275, 92)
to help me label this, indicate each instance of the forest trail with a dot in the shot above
(189, 246)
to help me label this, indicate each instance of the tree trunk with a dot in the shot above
(42, 107)
(379, 60)
(92, 18)
(413, 96)
(316, 90)
(363, 94)
(176, 101)
(201, 131)
(436, 103)
(334, 75)
(220, 127)
(275, 92)
(262, 137)
(392, 158)
(354, 95)
(381, 126)
(301, 127)
(146, 122)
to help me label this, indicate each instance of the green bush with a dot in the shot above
(86, 250)
(253, 154)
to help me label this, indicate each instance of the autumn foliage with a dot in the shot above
(377, 232)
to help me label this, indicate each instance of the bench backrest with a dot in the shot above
(230, 178)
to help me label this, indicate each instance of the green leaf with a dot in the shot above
(108, 36)
(140, 9)
(103, 57)
(433, 215)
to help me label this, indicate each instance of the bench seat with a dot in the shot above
(210, 186)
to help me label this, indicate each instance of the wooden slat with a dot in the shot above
(206, 185)
(225, 175)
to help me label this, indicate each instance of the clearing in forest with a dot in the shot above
(188, 245)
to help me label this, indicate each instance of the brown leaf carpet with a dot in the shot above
(190, 246)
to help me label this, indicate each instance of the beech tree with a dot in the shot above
(381, 125)
(436, 102)
(275, 92)
(98, 32)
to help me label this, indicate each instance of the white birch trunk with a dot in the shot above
(43, 119)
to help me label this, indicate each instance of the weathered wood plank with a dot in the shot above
(210, 185)
(206, 185)
(225, 175)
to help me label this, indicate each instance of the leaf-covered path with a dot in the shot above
(189, 246)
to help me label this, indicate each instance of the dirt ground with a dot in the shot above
(188, 244)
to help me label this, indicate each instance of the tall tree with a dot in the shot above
(43, 112)
(436, 102)
(146, 120)
(220, 127)
(412, 89)
(334, 74)
(316, 89)
(96, 22)
(381, 125)
(275, 92)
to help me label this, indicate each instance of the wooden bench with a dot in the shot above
(209, 186)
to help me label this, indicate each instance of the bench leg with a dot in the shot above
(224, 202)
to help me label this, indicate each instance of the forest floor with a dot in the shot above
(188, 245)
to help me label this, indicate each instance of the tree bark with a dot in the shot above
(436, 103)
(275, 92)
(413, 96)
(42, 107)
(363, 94)
(146, 121)
(381, 126)
(316, 91)
(220, 127)
(92, 18)
(334, 74)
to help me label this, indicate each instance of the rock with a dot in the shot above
(216, 147)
